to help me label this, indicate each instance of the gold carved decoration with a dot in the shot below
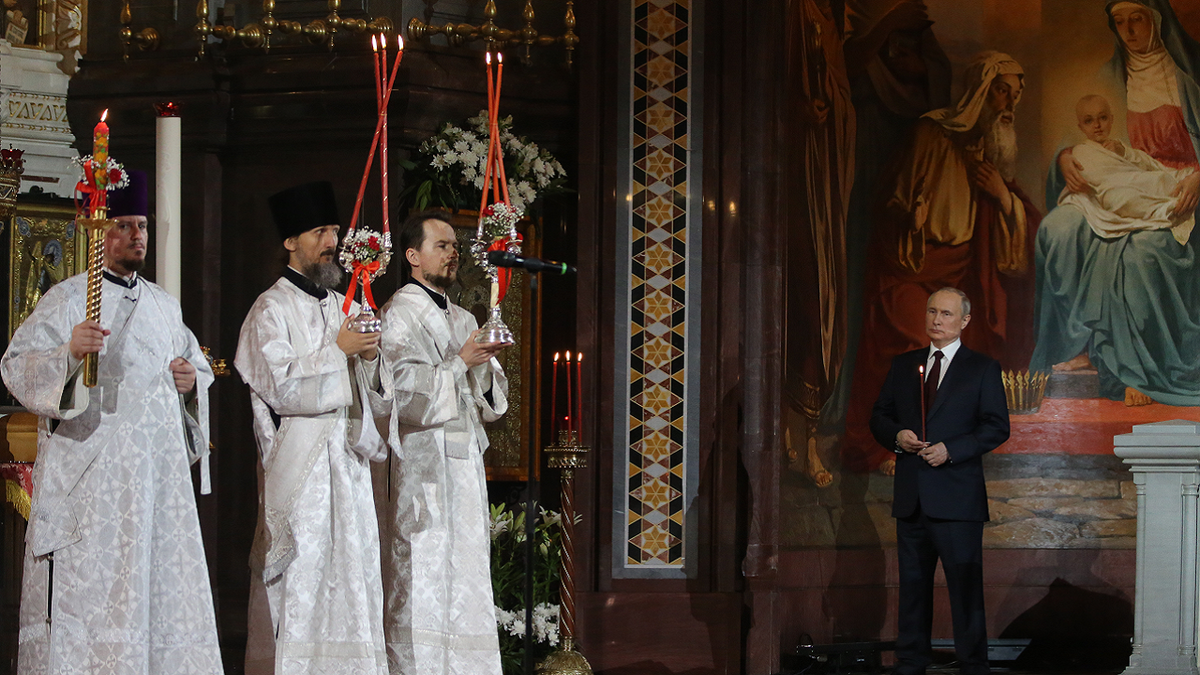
(51, 25)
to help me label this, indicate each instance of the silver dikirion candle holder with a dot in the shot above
(365, 255)
(496, 222)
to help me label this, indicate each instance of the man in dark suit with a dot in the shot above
(940, 501)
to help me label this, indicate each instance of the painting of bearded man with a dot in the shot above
(950, 215)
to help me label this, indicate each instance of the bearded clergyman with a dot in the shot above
(115, 577)
(951, 216)
(316, 594)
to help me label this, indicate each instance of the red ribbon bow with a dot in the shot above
(364, 271)
(503, 274)
(93, 198)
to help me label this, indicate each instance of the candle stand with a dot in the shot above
(567, 455)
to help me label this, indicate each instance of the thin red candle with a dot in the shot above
(383, 139)
(494, 149)
(387, 98)
(500, 149)
(570, 397)
(378, 81)
(921, 390)
(579, 393)
(362, 185)
(554, 402)
(487, 168)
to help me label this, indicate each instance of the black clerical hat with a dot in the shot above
(130, 200)
(304, 207)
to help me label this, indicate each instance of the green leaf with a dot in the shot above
(421, 202)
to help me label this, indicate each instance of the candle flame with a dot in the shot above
(500, 58)
(488, 58)
(921, 370)
(555, 356)
(568, 357)
(104, 115)
(374, 45)
(578, 357)
(400, 42)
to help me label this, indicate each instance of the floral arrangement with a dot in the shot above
(117, 177)
(500, 220)
(498, 227)
(368, 249)
(447, 170)
(508, 583)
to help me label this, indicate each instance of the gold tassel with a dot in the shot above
(17, 497)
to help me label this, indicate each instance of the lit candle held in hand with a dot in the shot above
(921, 391)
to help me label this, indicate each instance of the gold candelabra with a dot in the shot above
(567, 454)
(495, 37)
(146, 39)
(270, 29)
(263, 33)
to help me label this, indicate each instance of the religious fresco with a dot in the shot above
(44, 248)
(1095, 288)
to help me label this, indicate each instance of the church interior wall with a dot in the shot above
(257, 123)
(775, 556)
(1062, 506)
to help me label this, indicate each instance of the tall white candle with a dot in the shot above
(168, 233)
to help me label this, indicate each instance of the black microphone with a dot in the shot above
(535, 265)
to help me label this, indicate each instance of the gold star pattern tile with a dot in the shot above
(658, 300)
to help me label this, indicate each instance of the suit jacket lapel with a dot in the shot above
(948, 380)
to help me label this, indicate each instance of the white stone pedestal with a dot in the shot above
(33, 112)
(1165, 460)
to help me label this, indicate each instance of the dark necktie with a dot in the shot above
(931, 382)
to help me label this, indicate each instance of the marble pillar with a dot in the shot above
(1164, 458)
(33, 96)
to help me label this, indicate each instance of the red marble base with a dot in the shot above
(1084, 426)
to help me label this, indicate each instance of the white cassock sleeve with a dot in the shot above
(38, 368)
(366, 435)
(291, 383)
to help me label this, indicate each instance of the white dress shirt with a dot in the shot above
(948, 353)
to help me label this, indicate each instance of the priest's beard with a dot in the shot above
(323, 274)
(1000, 144)
(442, 282)
(130, 265)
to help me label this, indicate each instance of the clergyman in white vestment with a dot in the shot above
(316, 596)
(440, 617)
(115, 578)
